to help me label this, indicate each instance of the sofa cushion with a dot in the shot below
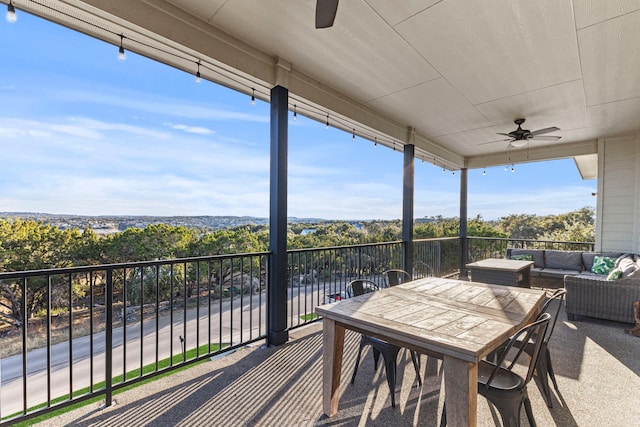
(587, 257)
(603, 265)
(558, 273)
(522, 257)
(535, 272)
(564, 260)
(536, 254)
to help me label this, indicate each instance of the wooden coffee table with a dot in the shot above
(501, 272)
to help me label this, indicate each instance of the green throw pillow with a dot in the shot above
(523, 257)
(616, 273)
(603, 264)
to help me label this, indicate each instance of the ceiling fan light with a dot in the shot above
(518, 143)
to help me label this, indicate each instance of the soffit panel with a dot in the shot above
(497, 48)
(394, 12)
(611, 59)
(433, 108)
(621, 116)
(589, 12)
(560, 105)
(356, 57)
(203, 9)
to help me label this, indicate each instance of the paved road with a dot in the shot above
(231, 322)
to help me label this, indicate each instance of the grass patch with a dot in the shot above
(309, 317)
(135, 373)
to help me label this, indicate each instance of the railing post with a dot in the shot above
(277, 291)
(108, 352)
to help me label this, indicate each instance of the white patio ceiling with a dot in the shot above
(455, 71)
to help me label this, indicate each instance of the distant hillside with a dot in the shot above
(112, 224)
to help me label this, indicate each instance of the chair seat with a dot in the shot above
(503, 380)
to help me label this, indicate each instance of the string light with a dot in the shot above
(512, 168)
(484, 171)
(375, 143)
(121, 55)
(11, 13)
(11, 17)
(198, 79)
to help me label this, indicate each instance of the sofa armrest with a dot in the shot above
(601, 298)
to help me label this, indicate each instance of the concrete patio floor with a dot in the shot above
(597, 367)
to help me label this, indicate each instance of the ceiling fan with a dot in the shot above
(520, 137)
(326, 13)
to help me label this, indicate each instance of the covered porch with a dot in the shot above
(596, 367)
(440, 81)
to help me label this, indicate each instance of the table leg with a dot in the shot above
(461, 388)
(332, 348)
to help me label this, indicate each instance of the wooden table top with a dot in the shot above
(501, 264)
(465, 320)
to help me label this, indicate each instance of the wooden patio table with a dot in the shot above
(457, 321)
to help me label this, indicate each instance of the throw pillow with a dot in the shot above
(523, 257)
(603, 265)
(615, 274)
(627, 266)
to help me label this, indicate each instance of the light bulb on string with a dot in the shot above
(512, 169)
(253, 96)
(121, 55)
(327, 123)
(11, 13)
(198, 79)
(484, 171)
(295, 113)
(375, 143)
(353, 135)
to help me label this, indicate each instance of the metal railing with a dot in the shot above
(480, 248)
(92, 330)
(318, 276)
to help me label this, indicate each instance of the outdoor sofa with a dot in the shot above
(588, 293)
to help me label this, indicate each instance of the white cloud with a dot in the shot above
(198, 130)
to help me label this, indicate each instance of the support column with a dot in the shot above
(464, 244)
(277, 291)
(408, 178)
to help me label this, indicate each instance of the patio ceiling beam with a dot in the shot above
(524, 155)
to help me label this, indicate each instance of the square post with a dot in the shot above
(408, 178)
(464, 243)
(277, 291)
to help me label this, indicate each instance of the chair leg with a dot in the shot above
(355, 370)
(415, 358)
(443, 418)
(551, 374)
(542, 368)
(529, 411)
(390, 366)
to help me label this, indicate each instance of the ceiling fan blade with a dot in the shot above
(546, 137)
(497, 140)
(326, 13)
(545, 130)
(505, 134)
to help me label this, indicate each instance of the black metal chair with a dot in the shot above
(389, 351)
(502, 387)
(544, 368)
(396, 277)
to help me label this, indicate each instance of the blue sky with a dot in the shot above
(84, 133)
